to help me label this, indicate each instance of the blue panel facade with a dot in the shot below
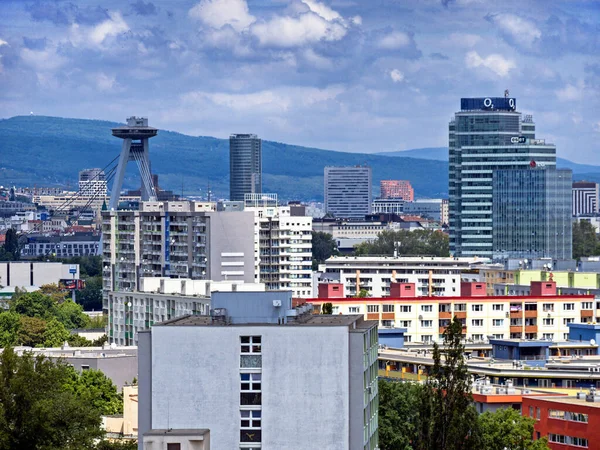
(391, 337)
(488, 103)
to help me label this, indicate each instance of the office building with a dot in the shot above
(388, 206)
(348, 191)
(432, 276)
(585, 198)
(245, 166)
(540, 314)
(66, 246)
(397, 189)
(532, 213)
(435, 209)
(256, 382)
(92, 182)
(177, 240)
(485, 135)
(283, 250)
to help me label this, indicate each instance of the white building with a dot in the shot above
(160, 299)
(92, 183)
(259, 374)
(431, 275)
(283, 248)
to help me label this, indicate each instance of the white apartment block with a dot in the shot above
(539, 316)
(177, 240)
(247, 377)
(160, 299)
(283, 249)
(433, 276)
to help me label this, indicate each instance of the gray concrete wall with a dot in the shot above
(251, 307)
(231, 233)
(120, 369)
(357, 389)
(144, 385)
(305, 399)
(19, 274)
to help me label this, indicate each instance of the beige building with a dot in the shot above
(124, 426)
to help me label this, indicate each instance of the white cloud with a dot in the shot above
(3, 42)
(597, 127)
(494, 62)
(296, 31)
(316, 60)
(110, 27)
(396, 76)
(394, 41)
(218, 13)
(356, 20)
(521, 31)
(105, 82)
(570, 92)
(462, 40)
(42, 60)
(322, 10)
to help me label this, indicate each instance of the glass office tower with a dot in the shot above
(532, 213)
(245, 166)
(348, 191)
(487, 134)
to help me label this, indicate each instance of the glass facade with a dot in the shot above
(245, 166)
(532, 213)
(482, 139)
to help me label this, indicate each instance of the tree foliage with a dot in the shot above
(418, 242)
(38, 411)
(97, 390)
(585, 239)
(323, 247)
(447, 399)
(398, 414)
(327, 308)
(10, 326)
(508, 429)
(10, 250)
(91, 296)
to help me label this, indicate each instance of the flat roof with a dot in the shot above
(306, 320)
(569, 401)
(178, 432)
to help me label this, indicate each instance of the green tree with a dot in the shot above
(323, 247)
(97, 390)
(10, 325)
(33, 304)
(508, 429)
(31, 331)
(418, 242)
(447, 399)
(57, 294)
(55, 333)
(91, 296)
(107, 445)
(37, 411)
(398, 414)
(585, 239)
(11, 244)
(363, 293)
(71, 315)
(327, 308)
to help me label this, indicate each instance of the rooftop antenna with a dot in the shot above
(208, 190)
(506, 93)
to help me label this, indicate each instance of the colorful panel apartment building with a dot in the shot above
(397, 189)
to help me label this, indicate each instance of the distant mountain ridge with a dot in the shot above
(441, 154)
(40, 150)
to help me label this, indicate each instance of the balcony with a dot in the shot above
(372, 316)
(460, 314)
(531, 329)
(531, 314)
(587, 313)
(517, 314)
(445, 315)
(387, 316)
(516, 329)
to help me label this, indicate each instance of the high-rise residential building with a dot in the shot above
(283, 250)
(397, 189)
(245, 165)
(532, 213)
(348, 191)
(92, 183)
(487, 134)
(258, 373)
(585, 198)
(177, 240)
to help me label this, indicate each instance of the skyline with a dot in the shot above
(345, 76)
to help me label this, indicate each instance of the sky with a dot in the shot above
(348, 75)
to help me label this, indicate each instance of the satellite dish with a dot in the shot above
(592, 341)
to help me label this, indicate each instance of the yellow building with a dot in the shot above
(124, 426)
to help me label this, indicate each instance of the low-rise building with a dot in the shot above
(78, 244)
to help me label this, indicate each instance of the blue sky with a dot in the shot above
(361, 76)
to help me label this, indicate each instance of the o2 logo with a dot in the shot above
(489, 104)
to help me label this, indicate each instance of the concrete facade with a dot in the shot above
(348, 191)
(303, 398)
(24, 274)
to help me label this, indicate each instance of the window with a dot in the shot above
(372, 308)
(427, 338)
(427, 308)
(250, 382)
(477, 337)
(387, 323)
(250, 418)
(568, 320)
(559, 438)
(388, 308)
(405, 308)
(568, 306)
(497, 307)
(548, 307)
(354, 309)
(498, 322)
(587, 305)
(407, 338)
(85, 367)
(250, 344)
(173, 446)
(460, 307)
(426, 323)
(477, 322)
(405, 323)
(477, 308)
(548, 322)
(548, 336)
(579, 442)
